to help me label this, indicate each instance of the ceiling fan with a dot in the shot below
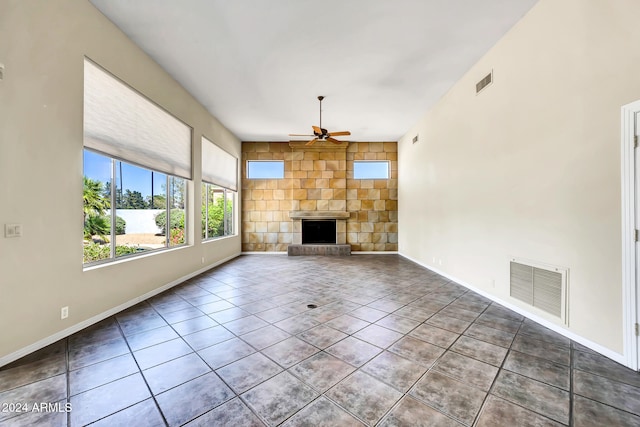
(321, 134)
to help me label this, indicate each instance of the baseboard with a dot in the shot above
(617, 357)
(4, 360)
(264, 253)
(374, 252)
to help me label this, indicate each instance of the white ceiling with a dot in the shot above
(258, 65)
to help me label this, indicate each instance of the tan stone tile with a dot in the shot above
(271, 238)
(393, 216)
(362, 216)
(353, 226)
(370, 156)
(394, 165)
(254, 216)
(379, 237)
(392, 237)
(358, 156)
(378, 227)
(353, 183)
(393, 183)
(273, 227)
(337, 205)
(363, 147)
(373, 216)
(366, 227)
(373, 193)
(299, 174)
(315, 174)
(392, 156)
(295, 165)
(278, 194)
(319, 165)
(341, 238)
(266, 216)
(322, 183)
(297, 155)
(352, 193)
(288, 156)
(285, 226)
(367, 205)
(326, 194)
(296, 238)
(380, 183)
(288, 175)
(314, 193)
(259, 184)
(391, 227)
(261, 227)
(379, 246)
(394, 174)
(390, 147)
(265, 156)
(248, 226)
(352, 237)
(308, 183)
(340, 194)
(366, 183)
(341, 226)
(384, 193)
(341, 155)
(306, 165)
(376, 147)
(247, 247)
(332, 165)
(380, 205)
(323, 205)
(308, 205)
(286, 237)
(279, 216)
(268, 195)
(272, 184)
(257, 194)
(248, 147)
(281, 247)
(339, 174)
(261, 205)
(352, 148)
(338, 183)
(327, 174)
(248, 205)
(286, 205)
(255, 237)
(391, 205)
(381, 156)
(300, 194)
(284, 184)
(311, 155)
(295, 205)
(297, 226)
(366, 247)
(272, 205)
(327, 155)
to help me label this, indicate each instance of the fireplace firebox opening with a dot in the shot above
(319, 231)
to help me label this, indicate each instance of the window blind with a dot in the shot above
(123, 124)
(218, 166)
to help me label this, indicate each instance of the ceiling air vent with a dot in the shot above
(486, 81)
(542, 287)
(415, 139)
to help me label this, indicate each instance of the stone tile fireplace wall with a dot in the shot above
(319, 182)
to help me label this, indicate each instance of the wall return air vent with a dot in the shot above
(486, 81)
(541, 286)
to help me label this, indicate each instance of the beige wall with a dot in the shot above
(42, 45)
(320, 178)
(530, 167)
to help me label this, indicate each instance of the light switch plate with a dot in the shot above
(12, 230)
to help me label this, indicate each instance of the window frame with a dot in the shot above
(372, 161)
(228, 222)
(265, 161)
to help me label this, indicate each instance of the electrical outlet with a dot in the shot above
(64, 312)
(12, 230)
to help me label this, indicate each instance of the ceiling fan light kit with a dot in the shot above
(321, 134)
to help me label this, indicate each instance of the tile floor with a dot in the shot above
(390, 344)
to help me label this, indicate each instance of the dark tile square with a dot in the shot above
(51, 389)
(538, 369)
(398, 323)
(247, 372)
(145, 414)
(84, 355)
(411, 412)
(347, 324)
(490, 335)
(160, 353)
(264, 337)
(152, 337)
(434, 335)
(600, 365)
(322, 371)
(449, 396)
(417, 350)
(229, 314)
(613, 393)
(322, 412)
(297, 324)
(175, 372)
(107, 399)
(497, 412)
(182, 315)
(415, 313)
(480, 350)
(245, 325)
(466, 369)
(364, 396)
(194, 325)
(378, 336)
(544, 399)
(353, 351)
(533, 347)
(192, 399)
(277, 399)
(207, 337)
(231, 413)
(322, 336)
(95, 375)
(225, 352)
(289, 352)
(589, 413)
(449, 323)
(394, 370)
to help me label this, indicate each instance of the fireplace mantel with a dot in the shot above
(319, 215)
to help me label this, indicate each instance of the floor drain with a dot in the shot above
(312, 306)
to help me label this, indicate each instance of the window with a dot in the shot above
(219, 185)
(370, 169)
(139, 221)
(137, 160)
(265, 169)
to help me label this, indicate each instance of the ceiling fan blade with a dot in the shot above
(312, 141)
(317, 130)
(335, 141)
(299, 134)
(341, 133)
